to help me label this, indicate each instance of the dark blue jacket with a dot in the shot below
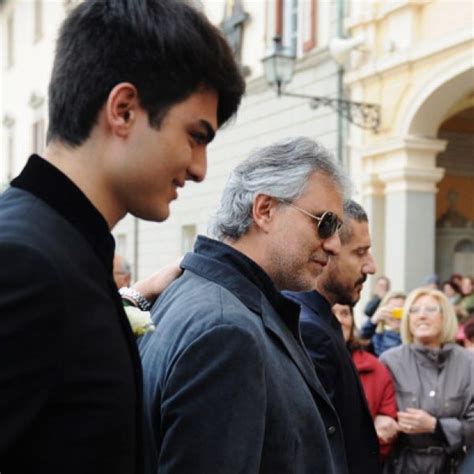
(229, 387)
(322, 335)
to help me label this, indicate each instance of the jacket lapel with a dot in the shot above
(294, 347)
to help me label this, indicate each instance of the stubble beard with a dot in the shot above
(342, 294)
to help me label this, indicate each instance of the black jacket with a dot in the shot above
(322, 335)
(229, 388)
(70, 378)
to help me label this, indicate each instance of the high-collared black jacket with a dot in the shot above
(322, 336)
(70, 377)
(229, 388)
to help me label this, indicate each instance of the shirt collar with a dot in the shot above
(46, 182)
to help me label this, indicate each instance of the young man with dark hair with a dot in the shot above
(138, 90)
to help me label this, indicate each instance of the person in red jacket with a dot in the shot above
(376, 381)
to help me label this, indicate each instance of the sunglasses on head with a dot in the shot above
(327, 223)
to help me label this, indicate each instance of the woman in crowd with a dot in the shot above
(467, 302)
(434, 379)
(376, 381)
(452, 292)
(383, 328)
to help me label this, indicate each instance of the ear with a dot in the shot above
(121, 108)
(263, 211)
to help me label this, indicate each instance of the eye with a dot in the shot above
(199, 138)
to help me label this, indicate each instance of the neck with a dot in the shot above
(83, 166)
(429, 344)
(327, 295)
(252, 246)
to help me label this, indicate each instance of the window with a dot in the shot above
(7, 163)
(38, 136)
(290, 25)
(121, 244)
(188, 235)
(10, 154)
(10, 41)
(38, 20)
(295, 23)
(38, 124)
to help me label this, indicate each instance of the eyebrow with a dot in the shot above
(210, 132)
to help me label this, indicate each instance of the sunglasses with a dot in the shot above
(328, 222)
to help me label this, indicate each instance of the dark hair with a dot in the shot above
(352, 211)
(469, 328)
(355, 342)
(165, 48)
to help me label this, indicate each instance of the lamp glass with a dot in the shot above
(278, 67)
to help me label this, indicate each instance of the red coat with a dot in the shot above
(378, 388)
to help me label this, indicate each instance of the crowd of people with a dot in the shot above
(254, 365)
(427, 390)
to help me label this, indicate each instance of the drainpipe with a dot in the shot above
(135, 248)
(341, 125)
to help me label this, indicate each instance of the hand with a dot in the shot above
(393, 323)
(382, 314)
(414, 421)
(386, 427)
(154, 285)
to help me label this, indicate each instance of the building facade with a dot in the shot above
(415, 176)
(417, 173)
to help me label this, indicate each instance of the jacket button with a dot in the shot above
(331, 430)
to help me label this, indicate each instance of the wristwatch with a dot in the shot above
(136, 297)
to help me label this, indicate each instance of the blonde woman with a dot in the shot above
(434, 382)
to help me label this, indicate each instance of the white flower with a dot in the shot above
(139, 320)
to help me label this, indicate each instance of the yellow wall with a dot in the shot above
(465, 202)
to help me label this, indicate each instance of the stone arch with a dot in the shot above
(464, 246)
(431, 102)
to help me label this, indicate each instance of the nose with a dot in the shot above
(332, 245)
(198, 167)
(369, 267)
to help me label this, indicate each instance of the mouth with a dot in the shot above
(178, 183)
(422, 326)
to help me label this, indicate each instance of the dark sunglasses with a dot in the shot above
(328, 222)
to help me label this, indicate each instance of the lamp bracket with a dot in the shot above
(363, 115)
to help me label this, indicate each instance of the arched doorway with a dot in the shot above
(455, 198)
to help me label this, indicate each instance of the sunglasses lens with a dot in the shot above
(328, 225)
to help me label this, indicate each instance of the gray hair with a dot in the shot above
(352, 211)
(280, 170)
(125, 266)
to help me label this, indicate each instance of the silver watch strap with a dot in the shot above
(135, 296)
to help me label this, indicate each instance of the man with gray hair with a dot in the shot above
(341, 282)
(229, 387)
(122, 272)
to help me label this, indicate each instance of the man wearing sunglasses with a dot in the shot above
(229, 386)
(341, 282)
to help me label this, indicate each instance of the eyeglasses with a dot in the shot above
(328, 222)
(429, 309)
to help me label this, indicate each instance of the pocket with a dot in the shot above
(452, 407)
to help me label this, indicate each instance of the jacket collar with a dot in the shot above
(46, 182)
(241, 276)
(314, 301)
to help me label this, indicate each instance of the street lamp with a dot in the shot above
(279, 67)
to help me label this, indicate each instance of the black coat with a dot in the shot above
(229, 388)
(70, 378)
(322, 335)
